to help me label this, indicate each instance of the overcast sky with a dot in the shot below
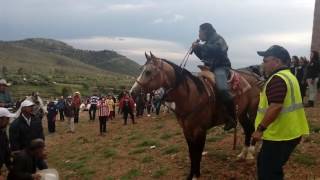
(165, 27)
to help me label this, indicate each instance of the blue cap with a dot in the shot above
(278, 52)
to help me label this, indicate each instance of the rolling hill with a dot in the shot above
(105, 59)
(49, 66)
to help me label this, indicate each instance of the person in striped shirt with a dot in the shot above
(93, 106)
(103, 112)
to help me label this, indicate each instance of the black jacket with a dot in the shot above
(21, 134)
(214, 52)
(299, 72)
(313, 69)
(24, 165)
(4, 149)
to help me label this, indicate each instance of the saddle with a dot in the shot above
(237, 83)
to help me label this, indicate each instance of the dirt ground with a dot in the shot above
(155, 148)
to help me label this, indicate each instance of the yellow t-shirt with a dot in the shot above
(110, 104)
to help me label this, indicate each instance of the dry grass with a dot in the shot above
(125, 152)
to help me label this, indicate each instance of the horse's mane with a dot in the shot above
(182, 74)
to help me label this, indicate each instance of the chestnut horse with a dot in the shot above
(195, 111)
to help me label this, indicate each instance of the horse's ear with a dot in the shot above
(147, 56)
(152, 56)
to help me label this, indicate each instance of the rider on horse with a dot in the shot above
(214, 55)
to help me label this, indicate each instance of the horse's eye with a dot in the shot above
(148, 73)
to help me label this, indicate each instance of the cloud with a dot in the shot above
(133, 47)
(157, 21)
(177, 17)
(172, 19)
(242, 50)
(131, 7)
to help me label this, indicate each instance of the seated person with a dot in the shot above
(25, 163)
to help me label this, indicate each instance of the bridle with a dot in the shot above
(158, 70)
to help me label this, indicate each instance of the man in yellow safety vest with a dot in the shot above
(281, 120)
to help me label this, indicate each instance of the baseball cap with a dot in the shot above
(278, 52)
(4, 112)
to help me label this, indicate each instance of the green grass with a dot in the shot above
(220, 155)
(304, 159)
(166, 136)
(134, 137)
(315, 128)
(137, 151)
(148, 143)
(159, 126)
(171, 150)
(214, 139)
(110, 178)
(159, 173)
(109, 152)
(75, 165)
(132, 174)
(147, 159)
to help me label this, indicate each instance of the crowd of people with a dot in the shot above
(22, 138)
(307, 74)
(23, 152)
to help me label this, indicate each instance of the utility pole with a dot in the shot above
(315, 45)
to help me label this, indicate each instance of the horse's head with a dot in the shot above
(154, 75)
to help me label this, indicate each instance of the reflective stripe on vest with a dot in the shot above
(294, 106)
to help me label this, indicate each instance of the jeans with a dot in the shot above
(61, 114)
(273, 156)
(92, 111)
(103, 123)
(51, 124)
(76, 114)
(221, 78)
(125, 116)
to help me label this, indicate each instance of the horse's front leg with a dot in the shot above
(248, 127)
(196, 144)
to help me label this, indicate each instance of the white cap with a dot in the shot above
(5, 113)
(26, 103)
(4, 82)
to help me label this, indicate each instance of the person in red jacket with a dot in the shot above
(76, 101)
(126, 106)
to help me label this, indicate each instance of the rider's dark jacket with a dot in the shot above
(213, 52)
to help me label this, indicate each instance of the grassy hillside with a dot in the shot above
(30, 70)
(107, 60)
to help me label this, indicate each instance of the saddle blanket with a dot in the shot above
(237, 83)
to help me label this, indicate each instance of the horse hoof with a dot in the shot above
(249, 156)
(251, 152)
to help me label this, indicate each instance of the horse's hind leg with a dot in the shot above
(248, 127)
(196, 145)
